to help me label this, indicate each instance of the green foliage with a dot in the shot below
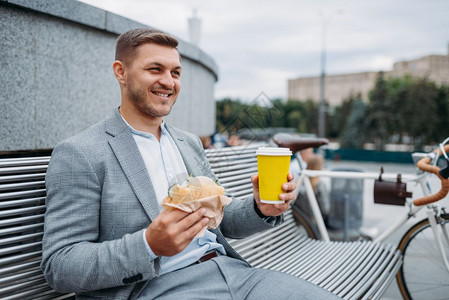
(351, 137)
(399, 110)
(233, 115)
(406, 107)
(442, 114)
(338, 118)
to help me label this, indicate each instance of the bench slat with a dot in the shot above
(33, 272)
(228, 168)
(238, 193)
(265, 247)
(52, 295)
(20, 258)
(345, 265)
(22, 202)
(22, 285)
(366, 279)
(22, 211)
(238, 183)
(233, 160)
(384, 278)
(244, 187)
(335, 274)
(22, 229)
(241, 174)
(22, 194)
(19, 248)
(20, 238)
(19, 267)
(23, 169)
(251, 148)
(22, 177)
(332, 256)
(358, 273)
(22, 220)
(25, 160)
(22, 185)
(25, 290)
(240, 244)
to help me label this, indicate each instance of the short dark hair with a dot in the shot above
(130, 40)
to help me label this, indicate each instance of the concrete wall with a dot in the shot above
(56, 79)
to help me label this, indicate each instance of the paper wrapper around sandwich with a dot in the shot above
(195, 193)
(214, 206)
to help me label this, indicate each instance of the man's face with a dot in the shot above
(153, 79)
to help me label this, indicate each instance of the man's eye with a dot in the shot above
(176, 73)
(154, 69)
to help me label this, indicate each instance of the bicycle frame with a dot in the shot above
(435, 228)
(304, 179)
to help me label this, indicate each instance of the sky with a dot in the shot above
(259, 45)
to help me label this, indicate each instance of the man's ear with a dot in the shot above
(119, 71)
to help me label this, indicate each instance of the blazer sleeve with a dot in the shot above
(72, 258)
(241, 219)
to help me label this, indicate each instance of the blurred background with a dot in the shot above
(368, 75)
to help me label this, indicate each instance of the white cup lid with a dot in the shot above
(274, 151)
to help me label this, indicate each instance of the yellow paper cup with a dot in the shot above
(273, 166)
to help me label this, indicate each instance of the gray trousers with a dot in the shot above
(227, 278)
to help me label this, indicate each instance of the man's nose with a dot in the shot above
(167, 80)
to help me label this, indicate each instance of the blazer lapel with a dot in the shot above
(128, 155)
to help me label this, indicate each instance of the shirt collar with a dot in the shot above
(143, 133)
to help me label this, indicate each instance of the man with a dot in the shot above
(105, 235)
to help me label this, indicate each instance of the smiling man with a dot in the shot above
(106, 236)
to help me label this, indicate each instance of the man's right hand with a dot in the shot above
(173, 230)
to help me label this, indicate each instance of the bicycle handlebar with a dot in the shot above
(424, 165)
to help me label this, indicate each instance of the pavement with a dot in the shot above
(379, 217)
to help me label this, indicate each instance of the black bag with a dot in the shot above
(392, 193)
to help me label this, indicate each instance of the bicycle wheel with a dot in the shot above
(304, 224)
(423, 274)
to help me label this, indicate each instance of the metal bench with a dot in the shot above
(22, 208)
(355, 270)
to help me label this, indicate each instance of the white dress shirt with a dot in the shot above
(166, 167)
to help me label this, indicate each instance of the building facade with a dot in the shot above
(342, 86)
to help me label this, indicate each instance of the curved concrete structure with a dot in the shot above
(57, 79)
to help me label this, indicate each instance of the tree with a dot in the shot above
(379, 116)
(296, 113)
(352, 136)
(421, 112)
(311, 118)
(339, 117)
(398, 94)
(417, 108)
(442, 114)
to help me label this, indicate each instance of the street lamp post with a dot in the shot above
(322, 107)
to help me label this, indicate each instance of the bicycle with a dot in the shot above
(425, 245)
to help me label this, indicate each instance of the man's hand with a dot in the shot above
(173, 230)
(275, 210)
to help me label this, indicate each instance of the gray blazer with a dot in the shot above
(100, 199)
